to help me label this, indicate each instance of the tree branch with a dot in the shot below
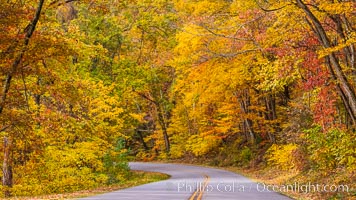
(29, 31)
(269, 10)
(4, 128)
(146, 97)
(61, 2)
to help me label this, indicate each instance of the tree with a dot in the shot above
(337, 43)
(17, 59)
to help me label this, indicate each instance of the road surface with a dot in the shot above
(193, 183)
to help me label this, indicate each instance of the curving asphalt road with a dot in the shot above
(193, 183)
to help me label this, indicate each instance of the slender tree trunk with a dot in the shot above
(248, 124)
(271, 114)
(341, 93)
(343, 27)
(139, 133)
(163, 124)
(189, 122)
(38, 102)
(243, 129)
(7, 168)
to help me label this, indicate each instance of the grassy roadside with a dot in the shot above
(269, 176)
(137, 178)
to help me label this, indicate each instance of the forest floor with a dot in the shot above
(137, 178)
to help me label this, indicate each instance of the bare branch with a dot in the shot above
(4, 128)
(59, 3)
(269, 10)
(222, 35)
(230, 55)
(146, 97)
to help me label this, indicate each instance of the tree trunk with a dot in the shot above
(139, 133)
(271, 114)
(7, 168)
(245, 104)
(341, 93)
(163, 124)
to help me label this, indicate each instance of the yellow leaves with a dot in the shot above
(177, 151)
(351, 40)
(199, 8)
(241, 6)
(63, 169)
(281, 156)
(189, 44)
(201, 145)
(138, 117)
(343, 7)
(275, 75)
(79, 156)
(207, 7)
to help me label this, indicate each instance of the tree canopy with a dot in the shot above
(87, 84)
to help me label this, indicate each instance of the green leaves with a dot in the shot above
(332, 149)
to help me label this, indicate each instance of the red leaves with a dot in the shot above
(316, 75)
(324, 110)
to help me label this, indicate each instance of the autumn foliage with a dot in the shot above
(85, 84)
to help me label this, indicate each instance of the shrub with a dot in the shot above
(201, 145)
(115, 163)
(281, 156)
(332, 149)
(80, 166)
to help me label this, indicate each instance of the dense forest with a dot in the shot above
(88, 85)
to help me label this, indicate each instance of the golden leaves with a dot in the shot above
(350, 41)
(337, 8)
